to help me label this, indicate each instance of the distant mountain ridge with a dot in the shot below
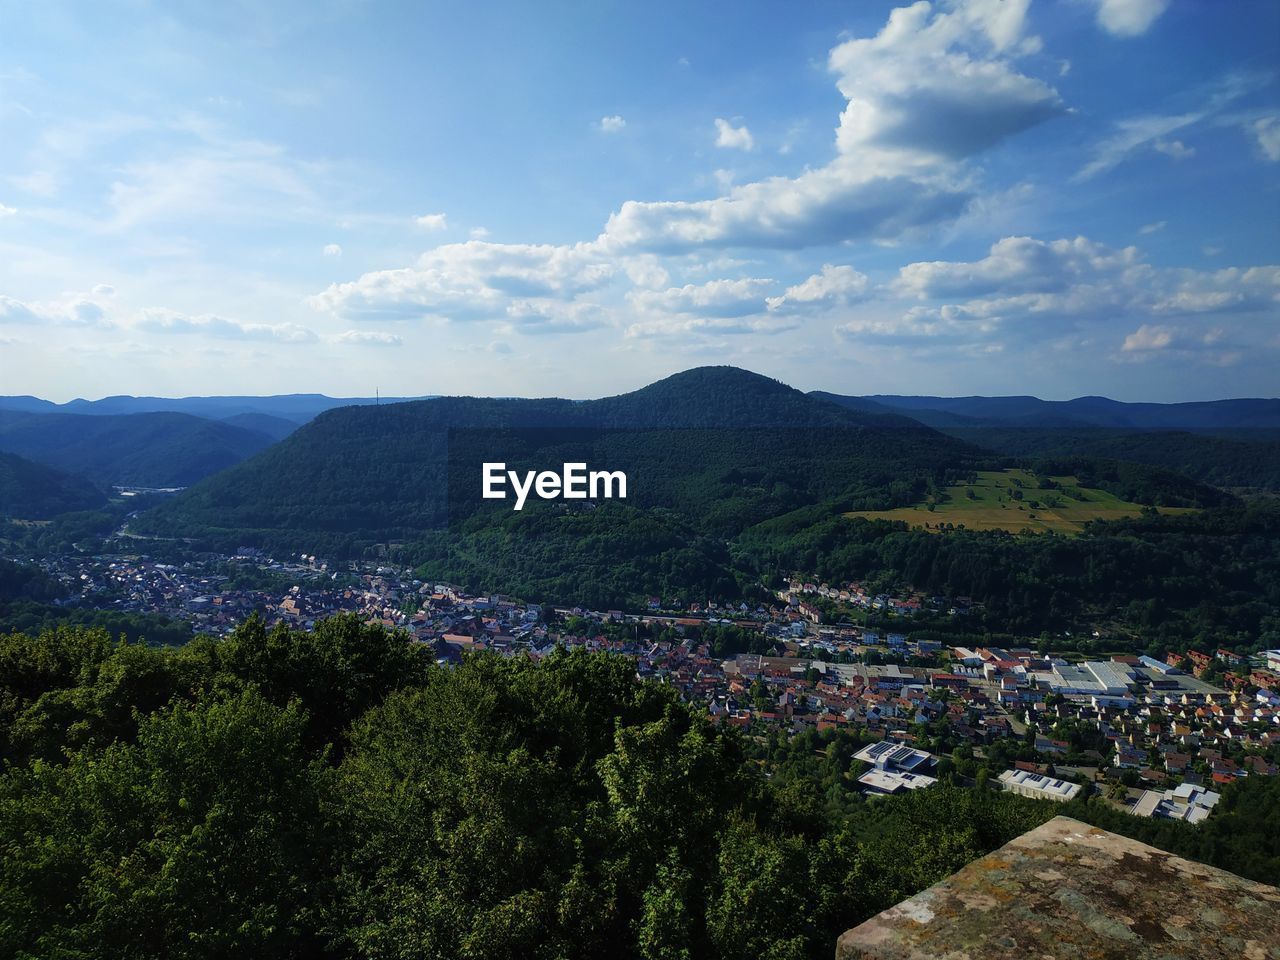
(1020, 411)
(296, 407)
(1226, 443)
(1081, 412)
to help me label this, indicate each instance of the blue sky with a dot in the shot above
(984, 197)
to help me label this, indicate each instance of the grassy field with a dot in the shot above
(1013, 500)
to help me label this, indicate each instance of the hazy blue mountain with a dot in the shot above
(1242, 413)
(297, 407)
(277, 428)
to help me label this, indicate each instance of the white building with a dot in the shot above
(895, 767)
(1033, 785)
(1188, 802)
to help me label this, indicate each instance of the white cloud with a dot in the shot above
(927, 92)
(1130, 135)
(1138, 133)
(612, 124)
(1129, 18)
(1151, 341)
(479, 233)
(1027, 288)
(1148, 337)
(219, 180)
(432, 221)
(159, 320)
(1267, 132)
(469, 281)
(824, 206)
(69, 310)
(1015, 265)
(1174, 148)
(733, 138)
(7, 211)
(933, 87)
(534, 316)
(715, 298)
(332, 250)
(104, 290)
(1150, 228)
(834, 286)
(375, 338)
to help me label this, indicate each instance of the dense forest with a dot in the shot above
(722, 447)
(1250, 459)
(140, 449)
(1163, 582)
(33, 491)
(336, 794)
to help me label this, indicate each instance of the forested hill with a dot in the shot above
(720, 447)
(143, 449)
(1244, 413)
(32, 491)
(1248, 459)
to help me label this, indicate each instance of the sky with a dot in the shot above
(1067, 198)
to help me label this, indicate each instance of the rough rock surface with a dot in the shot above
(1069, 890)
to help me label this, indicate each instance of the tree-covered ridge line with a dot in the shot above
(336, 794)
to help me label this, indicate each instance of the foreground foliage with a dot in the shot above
(335, 794)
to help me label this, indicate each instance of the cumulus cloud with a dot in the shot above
(715, 298)
(930, 90)
(332, 250)
(1031, 288)
(1267, 133)
(158, 320)
(834, 286)
(939, 86)
(1129, 18)
(6, 211)
(432, 221)
(469, 281)
(1151, 341)
(820, 207)
(375, 338)
(530, 316)
(69, 310)
(733, 138)
(1150, 228)
(612, 124)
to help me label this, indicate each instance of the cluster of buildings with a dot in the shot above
(1180, 736)
(1236, 670)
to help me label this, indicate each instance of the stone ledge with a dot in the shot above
(1069, 890)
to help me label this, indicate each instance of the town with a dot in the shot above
(1150, 736)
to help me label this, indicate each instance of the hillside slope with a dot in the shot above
(719, 447)
(32, 491)
(145, 449)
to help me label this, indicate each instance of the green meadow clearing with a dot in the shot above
(1013, 500)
